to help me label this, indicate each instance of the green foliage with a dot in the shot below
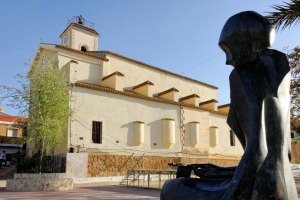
(285, 15)
(43, 96)
(49, 107)
(17, 97)
(294, 60)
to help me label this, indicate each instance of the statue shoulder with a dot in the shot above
(272, 53)
(275, 59)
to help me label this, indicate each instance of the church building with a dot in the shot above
(132, 115)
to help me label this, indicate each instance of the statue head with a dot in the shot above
(244, 35)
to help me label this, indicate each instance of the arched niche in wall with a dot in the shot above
(168, 132)
(213, 136)
(139, 133)
(195, 133)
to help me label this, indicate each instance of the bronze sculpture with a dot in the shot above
(259, 116)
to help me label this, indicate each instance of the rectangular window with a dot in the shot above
(232, 138)
(12, 132)
(292, 135)
(97, 132)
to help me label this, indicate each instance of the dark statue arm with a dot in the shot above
(211, 171)
(204, 171)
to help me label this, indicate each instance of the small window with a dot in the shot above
(232, 138)
(292, 135)
(12, 132)
(83, 48)
(97, 132)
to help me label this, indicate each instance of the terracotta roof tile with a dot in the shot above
(142, 84)
(209, 101)
(12, 119)
(115, 73)
(189, 97)
(224, 106)
(167, 91)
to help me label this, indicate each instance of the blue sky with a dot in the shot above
(180, 36)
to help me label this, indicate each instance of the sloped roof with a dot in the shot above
(44, 45)
(81, 27)
(13, 119)
(103, 54)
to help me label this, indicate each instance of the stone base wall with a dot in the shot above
(117, 165)
(76, 166)
(39, 182)
(295, 150)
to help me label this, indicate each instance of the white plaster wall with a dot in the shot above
(91, 70)
(192, 115)
(67, 35)
(46, 57)
(66, 70)
(223, 146)
(81, 37)
(135, 74)
(87, 70)
(118, 114)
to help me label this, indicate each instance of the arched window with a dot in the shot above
(83, 48)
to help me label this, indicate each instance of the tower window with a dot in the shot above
(232, 138)
(83, 48)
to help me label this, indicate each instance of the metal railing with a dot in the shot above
(58, 164)
(126, 162)
(149, 178)
(48, 164)
(138, 161)
(82, 21)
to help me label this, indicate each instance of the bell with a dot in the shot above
(80, 20)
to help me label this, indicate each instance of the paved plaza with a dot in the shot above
(85, 192)
(93, 191)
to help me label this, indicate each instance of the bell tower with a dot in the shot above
(80, 35)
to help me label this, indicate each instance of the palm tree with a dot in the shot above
(285, 15)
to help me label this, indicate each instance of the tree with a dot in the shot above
(285, 15)
(294, 60)
(17, 97)
(44, 96)
(49, 107)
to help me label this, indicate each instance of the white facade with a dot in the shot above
(135, 106)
